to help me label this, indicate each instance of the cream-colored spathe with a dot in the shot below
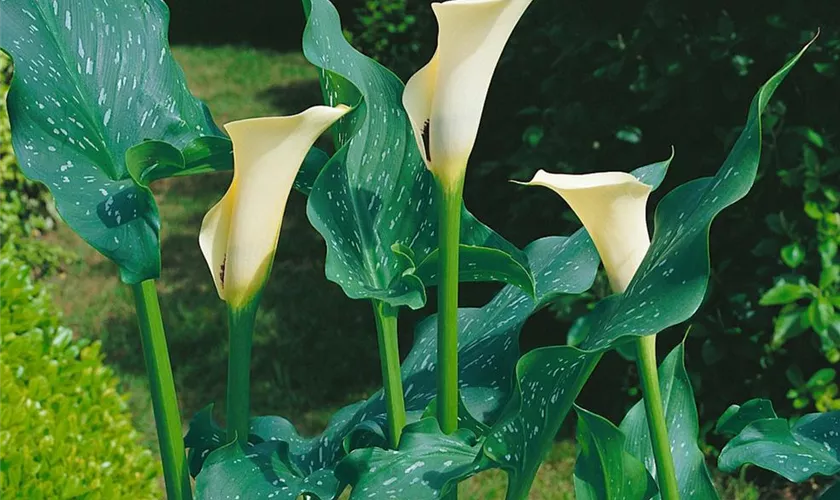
(449, 92)
(239, 234)
(612, 207)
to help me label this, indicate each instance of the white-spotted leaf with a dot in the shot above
(671, 282)
(375, 194)
(488, 351)
(810, 447)
(92, 81)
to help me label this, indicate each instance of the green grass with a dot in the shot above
(314, 349)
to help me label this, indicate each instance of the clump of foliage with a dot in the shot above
(66, 430)
(394, 32)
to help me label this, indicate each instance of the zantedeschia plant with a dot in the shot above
(99, 110)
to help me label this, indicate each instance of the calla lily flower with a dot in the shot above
(612, 208)
(239, 234)
(445, 98)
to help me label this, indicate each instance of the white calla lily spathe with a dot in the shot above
(239, 234)
(612, 207)
(445, 98)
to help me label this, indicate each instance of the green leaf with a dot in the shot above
(465, 419)
(427, 464)
(261, 471)
(693, 477)
(793, 255)
(671, 281)
(480, 258)
(829, 275)
(83, 98)
(810, 447)
(203, 437)
(736, 417)
(831, 493)
(375, 193)
(154, 160)
(313, 163)
(488, 352)
(547, 382)
(820, 314)
(604, 469)
(783, 293)
(547, 379)
(488, 347)
(789, 324)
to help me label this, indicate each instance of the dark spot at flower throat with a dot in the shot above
(426, 141)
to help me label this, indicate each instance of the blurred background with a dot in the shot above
(582, 86)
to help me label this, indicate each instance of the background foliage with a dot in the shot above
(66, 430)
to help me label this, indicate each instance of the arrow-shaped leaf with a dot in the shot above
(810, 447)
(670, 283)
(263, 471)
(427, 464)
(547, 382)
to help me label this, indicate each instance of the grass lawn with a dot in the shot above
(314, 350)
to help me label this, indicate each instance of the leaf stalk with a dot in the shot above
(162, 389)
(450, 199)
(389, 358)
(238, 401)
(665, 470)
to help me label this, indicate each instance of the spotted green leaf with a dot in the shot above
(426, 465)
(736, 417)
(681, 420)
(547, 382)
(488, 352)
(604, 469)
(810, 447)
(671, 281)
(262, 471)
(374, 201)
(92, 81)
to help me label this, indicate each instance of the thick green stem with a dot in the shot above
(449, 228)
(162, 388)
(389, 358)
(665, 471)
(241, 332)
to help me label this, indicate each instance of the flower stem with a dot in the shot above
(389, 358)
(162, 388)
(241, 332)
(665, 471)
(449, 228)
